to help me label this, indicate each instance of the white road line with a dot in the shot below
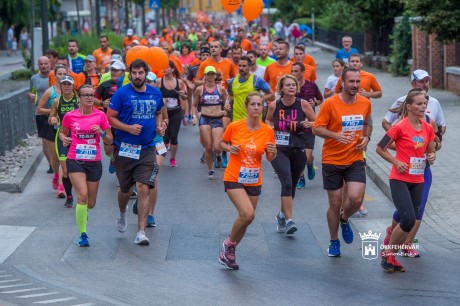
(6, 275)
(11, 238)
(85, 304)
(12, 286)
(9, 280)
(24, 290)
(36, 295)
(56, 300)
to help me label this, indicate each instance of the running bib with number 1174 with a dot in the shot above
(352, 123)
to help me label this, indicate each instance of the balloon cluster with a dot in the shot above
(251, 9)
(155, 57)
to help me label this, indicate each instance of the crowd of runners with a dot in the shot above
(251, 93)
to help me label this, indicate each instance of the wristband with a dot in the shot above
(368, 137)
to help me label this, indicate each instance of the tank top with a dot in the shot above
(66, 106)
(211, 98)
(53, 95)
(286, 120)
(171, 96)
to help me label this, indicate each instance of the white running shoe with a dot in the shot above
(141, 239)
(122, 223)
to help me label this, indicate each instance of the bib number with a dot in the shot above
(161, 148)
(282, 138)
(417, 165)
(248, 175)
(171, 102)
(352, 123)
(130, 151)
(84, 151)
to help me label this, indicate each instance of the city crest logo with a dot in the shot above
(370, 245)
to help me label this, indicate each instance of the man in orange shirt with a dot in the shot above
(307, 60)
(246, 44)
(282, 66)
(79, 79)
(102, 54)
(129, 38)
(345, 122)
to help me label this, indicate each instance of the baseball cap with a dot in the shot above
(129, 32)
(151, 77)
(419, 75)
(205, 50)
(135, 42)
(90, 58)
(153, 32)
(209, 69)
(204, 31)
(116, 57)
(118, 65)
(67, 78)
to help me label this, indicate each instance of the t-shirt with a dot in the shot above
(433, 109)
(128, 41)
(246, 45)
(274, 72)
(77, 64)
(331, 82)
(410, 149)
(105, 90)
(310, 73)
(188, 59)
(368, 82)
(260, 72)
(309, 90)
(337, 116)
(264, 62)
(247, 164)
(135, 107)
(85, 142)
(307, 60)
(345, 55)
(102, 58)
(38, 85)
(79, 79)
(225, 67)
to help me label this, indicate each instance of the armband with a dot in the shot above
(385, 142)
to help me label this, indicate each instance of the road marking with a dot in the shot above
(368, 198)
(6, 275)
(12, 286)
(56, 300)
(11, 238)
(9, 281)
(85, 304)
(36, 295)
(24, 290)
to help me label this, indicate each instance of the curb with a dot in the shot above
(25, 174)
(326, 47)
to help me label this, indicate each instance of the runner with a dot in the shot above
(345, 122)
(61, 106)
(307, 60)
(255, 69)
(309, 92)
(209, 98)
(264, 60)
(246, 140)
(103, 54)
(174, 92)
(135, 113)
(281, 67)
(338, 66)
(414, 140)
(86, 125)
(92, 76)
(76, 60)
(346, 52)
(290, 117)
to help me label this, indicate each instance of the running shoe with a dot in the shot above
(290, 227)
(415, 240)
(397, 266)
(224, 161)
(135, 207)
(151, 221)
(61, 192)
(184, 120)
(50, 170)
(203, 158)
(386, 265)
(141, 239)
(311, 172)
(281, 226)
(210, 175)
(68, 202)
(133, 195)
(334, 248)
(347, 232)
(218, 161)
(363, 211)
(55, 181)
(190, 118)
(172, 162)
(111, 167)
(227, 257)
(409, 251)
(122, 223)
(301, 183)
(83, 240)
(388, 231)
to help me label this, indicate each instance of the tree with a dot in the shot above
(10, 14)
(401, 47)
(439, 17)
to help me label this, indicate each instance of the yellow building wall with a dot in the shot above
(205, 6)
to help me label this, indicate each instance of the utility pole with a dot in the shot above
(44, 15)
(98, 17)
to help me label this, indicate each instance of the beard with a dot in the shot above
(138, 83)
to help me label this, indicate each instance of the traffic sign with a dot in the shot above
(155, 4)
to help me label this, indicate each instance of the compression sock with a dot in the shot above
(81, 216)
(67, 186)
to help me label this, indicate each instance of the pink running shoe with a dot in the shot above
(55, 181)
(389, 231)
(172, 162)
(60, 192)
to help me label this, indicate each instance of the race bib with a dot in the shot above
(282, 138)
(161, 148)
(130, 151)
(417, 165)
(352, 123)
(248, 175)
(84, 151)
(171, 102)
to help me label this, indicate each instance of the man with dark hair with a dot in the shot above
(76, 60)
(135, 112)
(255, 69)
(52, 55)
(103, 54)
(279, 68)
(237, 52)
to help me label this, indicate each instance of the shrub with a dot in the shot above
(401, 48)
(21, 75)
(87, 43)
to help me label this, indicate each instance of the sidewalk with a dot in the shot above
(9, 64)
(441, 213)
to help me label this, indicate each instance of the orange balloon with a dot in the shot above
(157, 59)
(230, 5)
(252, 9)
(137, 52)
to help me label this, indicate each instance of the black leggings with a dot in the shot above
(407, 198)
(289, 164)
(172, 131)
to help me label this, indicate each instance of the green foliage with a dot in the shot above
(15, 11)
(27, 58)
(21, 75)
(401, 48)
(341, 15)
(440, 17)
(87, 43)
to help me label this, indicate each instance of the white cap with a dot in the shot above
(118, 65)
(135, 42)
(129, 32)
(419, 75)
